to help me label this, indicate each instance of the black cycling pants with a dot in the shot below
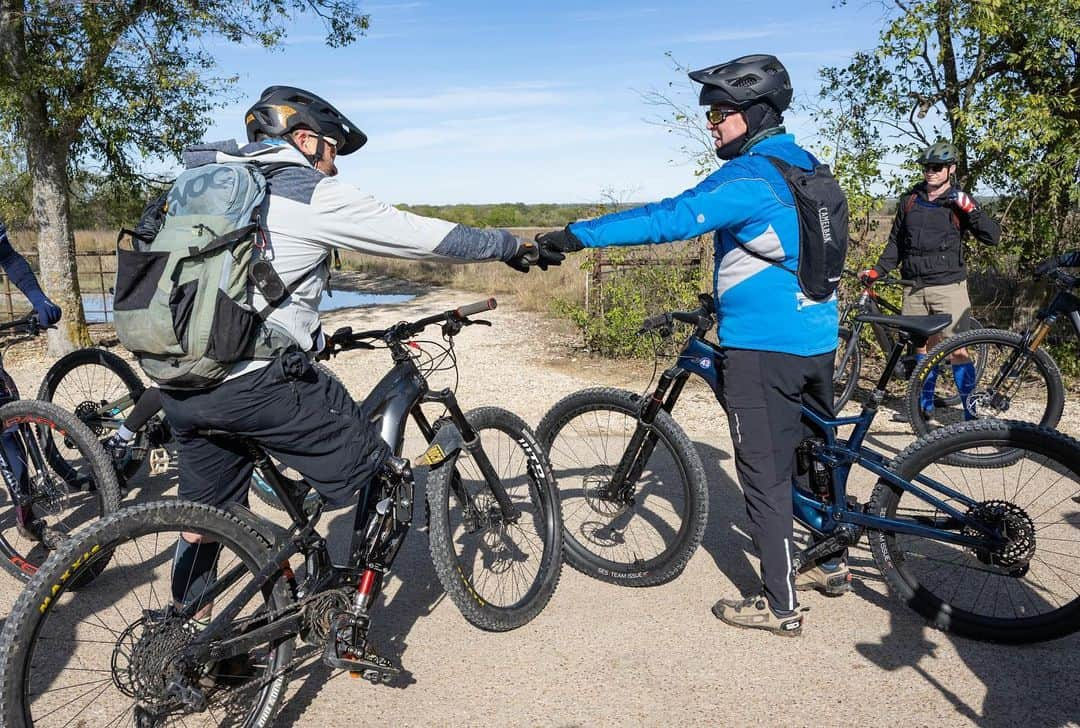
(295, 412)
(764, 392)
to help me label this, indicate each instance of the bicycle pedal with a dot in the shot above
(159, 461)
(371, 667)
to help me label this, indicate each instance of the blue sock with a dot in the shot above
(926, 397)
(964, 376)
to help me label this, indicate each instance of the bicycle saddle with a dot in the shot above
(921, 326)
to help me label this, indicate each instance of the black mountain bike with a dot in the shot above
(989, 553)
(849, 350)
(135, 648)
(1015, 376)
(56, 477)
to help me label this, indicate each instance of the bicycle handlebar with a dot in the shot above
(702, 318)
(345, 338)
(1062, 279)
(888, 280)
(478, 307)
(28, 325)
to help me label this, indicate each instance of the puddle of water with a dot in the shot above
(99, 306)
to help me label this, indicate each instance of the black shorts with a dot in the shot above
(295, 412)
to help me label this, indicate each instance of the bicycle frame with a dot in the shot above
(834, 514)
(396, 397)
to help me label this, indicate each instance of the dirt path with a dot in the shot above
(604, 655)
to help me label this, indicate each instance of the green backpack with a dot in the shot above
(183, 302)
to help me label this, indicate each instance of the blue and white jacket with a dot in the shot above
(746, 201)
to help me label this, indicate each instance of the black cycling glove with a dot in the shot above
(555, 245)
(527, 255)
(1047, 266)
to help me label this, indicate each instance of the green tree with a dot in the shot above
(111, 83)
(1001, 80)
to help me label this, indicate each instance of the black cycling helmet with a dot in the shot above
(281, 109)
(745, 81)
(939, 153)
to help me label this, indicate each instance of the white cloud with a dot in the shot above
(604, 16)
(463, 98)
(496, 135)
(726, 36)
(380, 7)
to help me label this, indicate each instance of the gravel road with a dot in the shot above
(604, 655)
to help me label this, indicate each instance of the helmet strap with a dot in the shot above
(312, 159)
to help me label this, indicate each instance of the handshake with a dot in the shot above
(548, 250)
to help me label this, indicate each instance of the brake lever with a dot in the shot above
(481, 322)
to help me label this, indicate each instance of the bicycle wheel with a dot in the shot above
(846, 370)
(101, 389)
(639, 538)
(1027, 590)
(103, 655)
(499, 574)
(1030, 390)
(57, 496)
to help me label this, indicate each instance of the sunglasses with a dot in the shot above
(934, 167)
(717, 116)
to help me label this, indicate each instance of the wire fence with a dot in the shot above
(96, 271)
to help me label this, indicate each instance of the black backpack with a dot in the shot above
(823, 228)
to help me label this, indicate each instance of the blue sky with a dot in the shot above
(471, 101)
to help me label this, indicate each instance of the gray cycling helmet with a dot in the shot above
(744, 82)
(939, 153)
(281, 109)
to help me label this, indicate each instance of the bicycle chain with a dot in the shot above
(257, 685)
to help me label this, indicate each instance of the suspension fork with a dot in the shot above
(510, 513)
(643, 441)
(849, 350)
(1020, 359)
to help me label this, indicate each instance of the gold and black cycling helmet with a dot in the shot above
(745, 81)
(281, 109)
(939, 153)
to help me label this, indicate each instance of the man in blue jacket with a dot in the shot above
(778, 343)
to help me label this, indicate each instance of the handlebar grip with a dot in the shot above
(478, 307)
(655, 322)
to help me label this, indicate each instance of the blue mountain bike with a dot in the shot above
(991, 553)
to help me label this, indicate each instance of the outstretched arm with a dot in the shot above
(722, 200)
(18, 270)
(347, 218)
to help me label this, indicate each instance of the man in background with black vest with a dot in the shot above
(926, 241)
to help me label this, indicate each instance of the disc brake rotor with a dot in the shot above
(595, 486)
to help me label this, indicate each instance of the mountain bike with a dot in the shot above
(849, 356)
(1015, 377)
(136, 647)
(55, 476)
(976, 551)
(102, 389)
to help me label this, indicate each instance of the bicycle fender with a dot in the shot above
(447, 443)
(269, 531)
